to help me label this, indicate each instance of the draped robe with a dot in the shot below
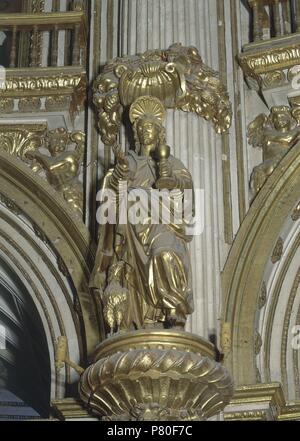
(158, 270)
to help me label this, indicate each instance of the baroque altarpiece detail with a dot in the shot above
(116, 294)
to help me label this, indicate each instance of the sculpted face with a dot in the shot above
(148, 132)
(282, 121)
(57, 143)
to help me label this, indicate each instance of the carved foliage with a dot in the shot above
(18, 140)
(278, 251)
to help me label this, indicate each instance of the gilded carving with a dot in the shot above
(36, 40)
(143, 384)
(263, 296)
(57, 103)
(37, 6)
(18, 140)
(18, 84)
(253, 415)
(64, 86)
(257, 343)
(278, 251)
(226, 338)
(275, 134)
(149, 268)
(274, 79)
(177, 76)
(263, 60)
(142, 271)
(260, 62)
(6, 105)
(62, 167)
(29, 104)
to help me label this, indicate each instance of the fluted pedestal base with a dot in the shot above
(158, 375)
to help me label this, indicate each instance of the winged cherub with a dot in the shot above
(276, 135)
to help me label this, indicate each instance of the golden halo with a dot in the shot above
(147, 106)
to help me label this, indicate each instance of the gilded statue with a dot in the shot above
(142, 270)
(62, 168)
(276, 134)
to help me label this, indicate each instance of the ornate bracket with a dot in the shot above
(177, 76)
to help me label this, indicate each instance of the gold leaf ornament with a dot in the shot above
(147, 106)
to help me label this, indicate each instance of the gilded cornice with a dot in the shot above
(51, 83)
(260, 393)
(270, 63)
(290, 412)
(42, 81)
(266, 60)
(261, 402)
(44, 20)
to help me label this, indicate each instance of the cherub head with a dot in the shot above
(57, 141)
(281, 118)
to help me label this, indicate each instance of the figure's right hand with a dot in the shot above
(122, 167)
(121, 171)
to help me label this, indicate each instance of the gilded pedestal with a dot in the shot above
(158, 375)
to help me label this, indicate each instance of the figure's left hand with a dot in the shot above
(168, 183)
(165, 169)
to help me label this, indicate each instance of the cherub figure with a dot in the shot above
(276, 135)
(63, 166)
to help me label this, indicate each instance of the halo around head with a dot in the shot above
(147, 106)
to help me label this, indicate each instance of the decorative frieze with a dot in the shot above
(63, 88)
